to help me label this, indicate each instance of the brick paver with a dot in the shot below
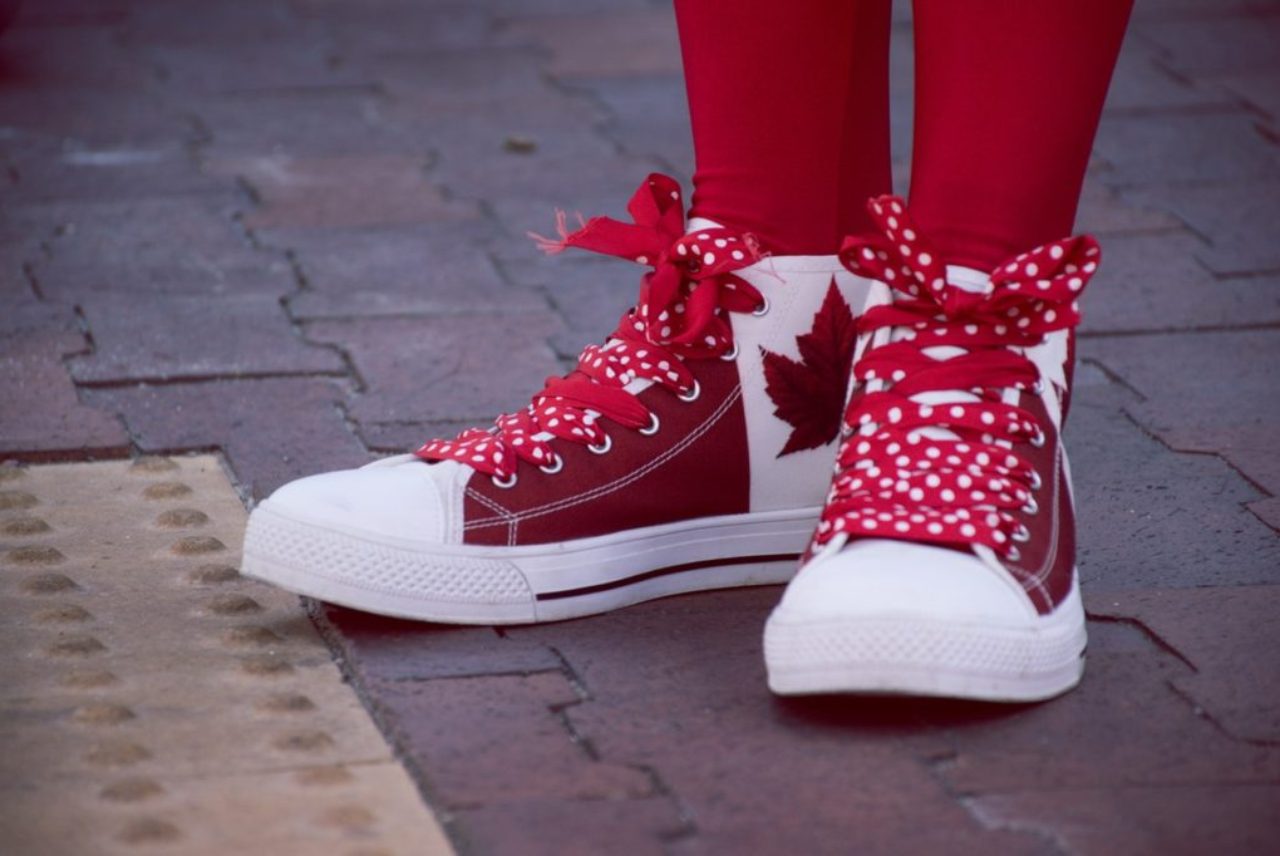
(42, 416)
(293, 231)
(242, 417)
(1210, 628)
(1212, 393)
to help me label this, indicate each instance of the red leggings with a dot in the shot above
(790, 109)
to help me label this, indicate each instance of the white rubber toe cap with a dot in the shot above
(400, 498)
(881, 578)
(881, 616)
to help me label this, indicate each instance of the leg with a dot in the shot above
(944, 561)
(790, 110)
(1008, 96)
(710, 471)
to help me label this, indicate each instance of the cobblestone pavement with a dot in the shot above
(292, 231)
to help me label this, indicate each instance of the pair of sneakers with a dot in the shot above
(884, 422)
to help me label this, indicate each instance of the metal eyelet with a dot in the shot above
(1036, 481)
(1037, 388)
(1013, 555)
(692, 393)
(603, 447)
(1032, 507)
(1039, 439)
(763, 309)
(1022, 534)
(652, 428)
(506, 484)
(554, 467)
(732, 354)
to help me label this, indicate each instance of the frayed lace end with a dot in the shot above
(552, 246)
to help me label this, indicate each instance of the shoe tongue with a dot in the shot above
(696, 224)
(969, 279)
(975, 282)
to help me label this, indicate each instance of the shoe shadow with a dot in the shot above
(891, 714)
(345, 628)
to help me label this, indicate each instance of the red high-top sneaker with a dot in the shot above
(688, 452)
(944, 561)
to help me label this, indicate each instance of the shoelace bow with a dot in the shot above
(679, 315)
(898, 479)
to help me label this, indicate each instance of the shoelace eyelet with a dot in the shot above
(1032, 507)
(653, 426)
(554, 467)
(1013, 555)
(1039, 439)
(506, 484)
(603, 448)
(732, 354)
(1022, 534)
(1036, 481)
(1037, 388)
(763, 309)
(692, 393)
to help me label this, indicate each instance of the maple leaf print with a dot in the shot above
(809, 395)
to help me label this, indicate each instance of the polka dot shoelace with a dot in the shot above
(681, 314)
(931, 448)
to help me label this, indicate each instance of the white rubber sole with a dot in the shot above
(465, 584)
(926, 656)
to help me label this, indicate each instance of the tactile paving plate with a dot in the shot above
(152, 700)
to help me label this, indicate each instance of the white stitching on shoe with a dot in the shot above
(618, 484)
(1035, 584)
(504, 516)
(489, 503)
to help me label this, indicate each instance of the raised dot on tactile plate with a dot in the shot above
(24, 526)
(166, 490)
(323, 776)
(181, 518)
(251, 635)
(48, 584)
(88, 679)
(150, 464)
(212, 575)
(149, 830)
(11, 499)
(304, 741)
(117, 753)
(63, 613)
(35, 554)
(103, 714)
(265, 665)
(232, 604)
(348, 817)
(195, 545)
(286, 703)
(74, 646)
(131, 790)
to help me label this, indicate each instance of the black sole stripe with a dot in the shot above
(662, 572)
